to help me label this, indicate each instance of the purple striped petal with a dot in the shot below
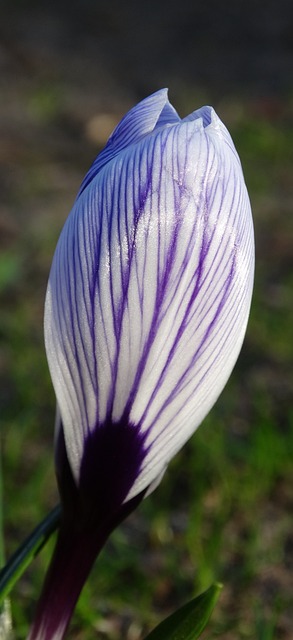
(153, 111)
(150, 289)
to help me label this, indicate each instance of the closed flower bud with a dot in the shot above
(146, 310)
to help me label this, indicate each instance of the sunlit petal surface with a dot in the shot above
(150, 288)
(152, 112)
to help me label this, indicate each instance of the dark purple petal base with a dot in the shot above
(90, 513)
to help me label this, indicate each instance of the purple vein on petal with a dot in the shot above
(70, 351)
(160, 293)
(218, 348)
(161, 442)
(80, 306)
(161, 285)
(223, 299)
(156, 320)
(76, 300)
(199, 351)
(159, 437)
(136, 124)
(131, 252)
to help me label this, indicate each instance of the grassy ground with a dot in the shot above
(224, 509)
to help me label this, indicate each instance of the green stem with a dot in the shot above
(20, 560)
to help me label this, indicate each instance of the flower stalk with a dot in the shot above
(72, 561)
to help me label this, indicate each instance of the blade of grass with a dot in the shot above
(5, 613)
(2, 554)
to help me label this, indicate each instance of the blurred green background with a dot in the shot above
(68, 71)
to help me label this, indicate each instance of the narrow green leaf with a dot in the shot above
(2, 553)
(17, 564)
(188, 622)
(5, 613)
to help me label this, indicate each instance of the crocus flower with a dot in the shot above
(146, 310)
